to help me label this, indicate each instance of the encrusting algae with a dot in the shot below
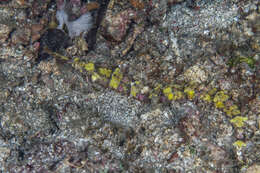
(114, 79)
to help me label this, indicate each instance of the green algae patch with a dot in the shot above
(250, 61)
(90, 67)
(76, 60)
(168, 93)
(77, 64)
(238, 121)
(116, 78)
(206, 98)
(105, 72)
(133, 91)
(95, 77)
(212, 91)
(232, 110)
(190, 93)
(219, 99)
(219, 105)
(239, 144)
(177, 95)
(156, 91)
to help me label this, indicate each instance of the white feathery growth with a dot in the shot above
(76, 27)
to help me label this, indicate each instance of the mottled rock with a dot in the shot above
(159, 139)
(21, 36)
(196, 74)
(158, 10)
(253, 169)
(108, 131)
(4, 32)
(116, 26)
(117, 109)
(48, 67)
(22, 16)
(139, 4)
(4, 153)
(4, 94)
(35, 31)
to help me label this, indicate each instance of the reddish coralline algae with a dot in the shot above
(116, 26)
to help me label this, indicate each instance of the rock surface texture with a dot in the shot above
(130, 86)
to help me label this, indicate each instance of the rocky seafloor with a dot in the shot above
(152, 86)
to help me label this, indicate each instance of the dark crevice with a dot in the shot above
(91, 36)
